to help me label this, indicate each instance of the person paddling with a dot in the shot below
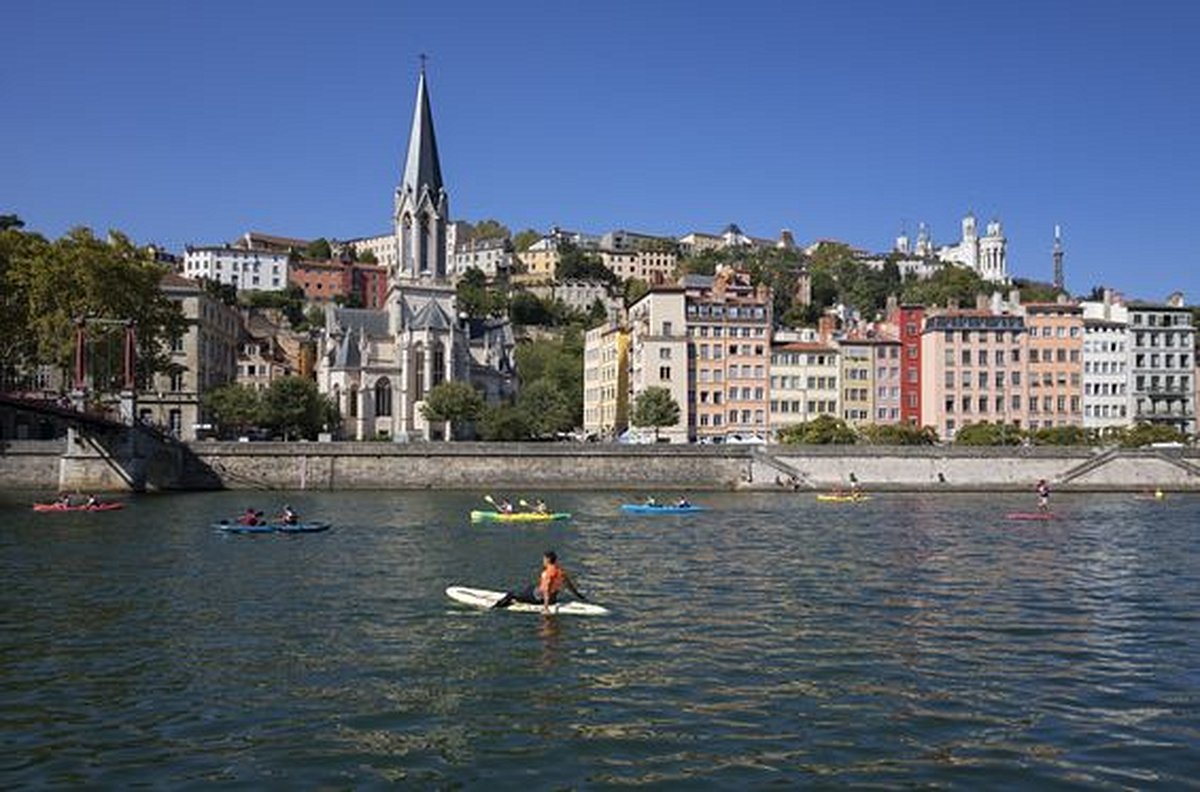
(289, 516)
(545, 593)
(249, 517)
(1043, 493)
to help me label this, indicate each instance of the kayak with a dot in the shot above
(517, 517)
(304, 527)
(645, 508)
(55, 507)
(483, 598)
(1029, 516)
(830, 498)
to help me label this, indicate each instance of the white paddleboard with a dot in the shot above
(482, 598)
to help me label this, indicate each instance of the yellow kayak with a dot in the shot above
(831, 498)
(517, 517)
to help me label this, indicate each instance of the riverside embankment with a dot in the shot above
(368, 466)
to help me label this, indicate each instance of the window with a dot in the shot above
(383, 397)
(664, 353)
(352, 401)
(664, 373)
(666, 328)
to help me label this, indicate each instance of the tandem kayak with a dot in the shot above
(55, 507)
(843, 498)
(518, 517)
(304, 527)
(646, 508)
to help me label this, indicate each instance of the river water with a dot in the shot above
(908, 641)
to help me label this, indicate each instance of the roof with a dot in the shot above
(176, 282)
(431, 316)
(691, 281)
(271, 239)
(422, 169)
(1039, 307)
(373, 323)
(802, 346)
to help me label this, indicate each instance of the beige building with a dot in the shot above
(658, 353)
(972, 370)
(729, 330)
(606, 380)
(205, 357)
(537, 264)
(805, 383)
(650, 265)
(857, 357)
(1054, 368)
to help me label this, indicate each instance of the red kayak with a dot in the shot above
(1029, 516)
(58, 507)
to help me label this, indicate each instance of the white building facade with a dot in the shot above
(244, 269)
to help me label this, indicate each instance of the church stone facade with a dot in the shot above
(378, 366)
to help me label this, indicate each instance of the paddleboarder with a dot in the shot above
(545, 593)
(1043, 493)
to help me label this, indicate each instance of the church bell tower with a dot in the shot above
(422, 206)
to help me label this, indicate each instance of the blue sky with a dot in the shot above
(192, 122)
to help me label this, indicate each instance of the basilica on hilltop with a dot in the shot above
(379, 365)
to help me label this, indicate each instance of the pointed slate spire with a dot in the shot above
(422, 169)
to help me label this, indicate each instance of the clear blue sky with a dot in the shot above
(190, 122)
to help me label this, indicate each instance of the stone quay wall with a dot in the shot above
(486, 466)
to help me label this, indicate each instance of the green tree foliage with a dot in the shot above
(314, 316)
(294, 408)
(526, 308)
(822, 430)
(525, 239)
(236, 408)
(476, 299)
(577, 264)
(1062, 436)
(634, 290)
(561, 362)
(897, 434)
(1036, 291)
(504, 422)
(948, 283)
(490, 229)
(11, 221)
(319, 249)
(453, 402)
(597, 313)
(547, 409)
(289, 302)
(989, 434)
(224, 292)
(1144, 434)
(656, 407)
(46, 285)
(367, 257)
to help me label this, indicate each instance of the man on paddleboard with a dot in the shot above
(545, 593)
(1043, 493)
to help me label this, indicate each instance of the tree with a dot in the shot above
(1062, 436)
(558, 360)
(1144, 434)
(367, 256)
(525, 239)
(897, 434)
(11, 221)
(655, 406)
(949, 283)
(234, 407)
(546, 408)
(822, 430)
(475, 299)
(504, 422)
(635, 289)
(225, 292)
(453, 402)
(490, 229)
(597, 313)
(989, 434)
(577, 264)
(48, 285)
(293, 407)
(319, 249)
(527, 308)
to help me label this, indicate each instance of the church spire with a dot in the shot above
(422, 169)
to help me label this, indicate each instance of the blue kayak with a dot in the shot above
(304, 527)
(645, 508)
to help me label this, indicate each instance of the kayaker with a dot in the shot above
(249, 517)
(545, 593)
(539, 507)
(1043, 493)
(650, 501)
(505, 507)
(64, 501)
(289, 517)
(92, 503)
(683, 502)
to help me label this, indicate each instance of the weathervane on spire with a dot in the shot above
(423, 58)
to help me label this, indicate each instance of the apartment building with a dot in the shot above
(805, 383)
(887, 381)
(1054, 371)
(857, 380)
(606, 380)
(1161, 354)
(973, 370)
(242, 268)
(658, 353)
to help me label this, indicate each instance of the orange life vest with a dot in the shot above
(552, 580)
